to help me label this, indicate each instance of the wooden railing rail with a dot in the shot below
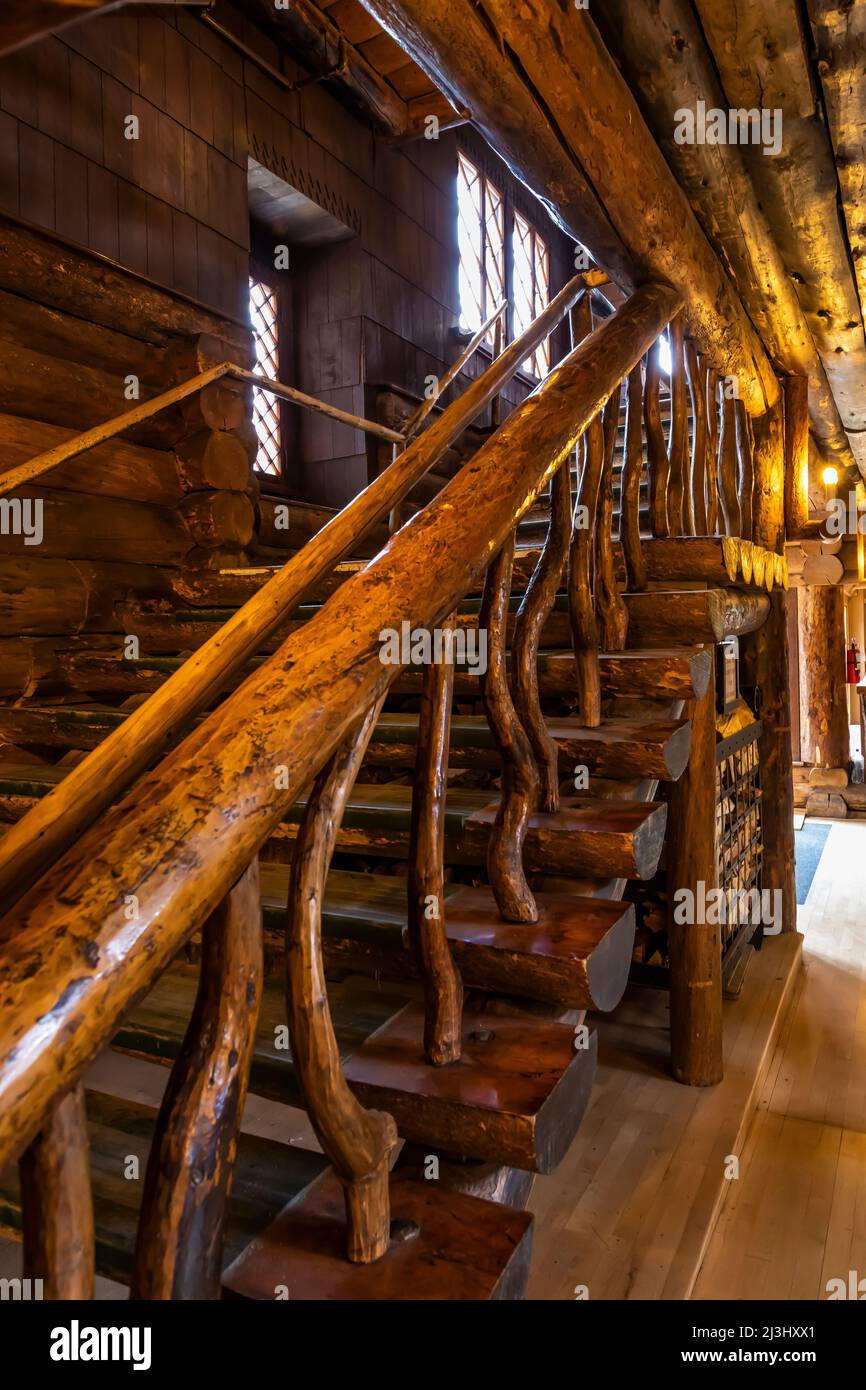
(74, 958)
(56, 822)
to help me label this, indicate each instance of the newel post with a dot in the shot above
(694, 946)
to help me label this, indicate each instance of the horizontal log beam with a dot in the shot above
(40, 266)
(543, 90)
(664, 56)
(762, 56)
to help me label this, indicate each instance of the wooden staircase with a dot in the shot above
(189, 903)
(517, 1096)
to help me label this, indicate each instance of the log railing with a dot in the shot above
(185, 841)
(90, 787)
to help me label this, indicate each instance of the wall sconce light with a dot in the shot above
(830, 476)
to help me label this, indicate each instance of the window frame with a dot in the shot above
(511, 211)
(256, 276)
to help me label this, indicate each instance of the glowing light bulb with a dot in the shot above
(830, 476)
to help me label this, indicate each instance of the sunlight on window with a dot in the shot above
(531, 288)
(481, 245)
(266, 409)
(665, 354)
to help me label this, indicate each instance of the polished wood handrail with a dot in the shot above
(56, 821)
(73, 961)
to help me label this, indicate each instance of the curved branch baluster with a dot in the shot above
(746, 471)
(179, 1244)
(357, 1141)
(56, 1203)
(610, 607)
(679, 439)
(658, 458)
(712, 412)
(584, 628)
(697, 492)
(443, 990)
(629, 515)
(531, 617)
(728, 464)
(520, 781)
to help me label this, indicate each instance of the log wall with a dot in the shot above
(376, 309)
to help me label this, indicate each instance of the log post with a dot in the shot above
(534, 610)
(679, 445)
(697, 492)
(796, 455)
(611, 610)
(629, 523)
(179, 1244)
(443, 991)
(712, 451)
(357, 1141)
(56, 1203)
(746, 472)
(520, 780)
(768, 650)
(694, 947)
(658, 458)
(581, 608)
(824, 695)
(728, 467)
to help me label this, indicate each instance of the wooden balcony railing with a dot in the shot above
(185, 840)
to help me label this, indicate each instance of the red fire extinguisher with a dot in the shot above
(853, 663)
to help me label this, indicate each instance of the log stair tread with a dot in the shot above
(662, 672)
(576, 955)
(282, 1194)
(654, 747)
(466, 1249)
(515, 1097)
(586, 836)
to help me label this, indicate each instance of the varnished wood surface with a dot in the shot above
(56, 1203)
(465, 1249)
(635, 565)
(599, 142)
(658, 456)
(358, 1142)
(577, 955)
(610, 609)
(537, 602)
(267, 1175)
(443, 991)
(520, 779)
(691, 861)
(179, 1244)
(232, 756)
(110, 768)
(679, 436)
(585, 638)
(696, 493)
(516, 1096)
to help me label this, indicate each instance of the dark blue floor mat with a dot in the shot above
(809, 845)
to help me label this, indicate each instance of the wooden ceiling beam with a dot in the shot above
(319, 44)
(840, 39)
(662, 53)
(761, 55)
(543, 90)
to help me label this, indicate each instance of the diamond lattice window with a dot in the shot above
(531, 288)
(266, 408)
(481, 244)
